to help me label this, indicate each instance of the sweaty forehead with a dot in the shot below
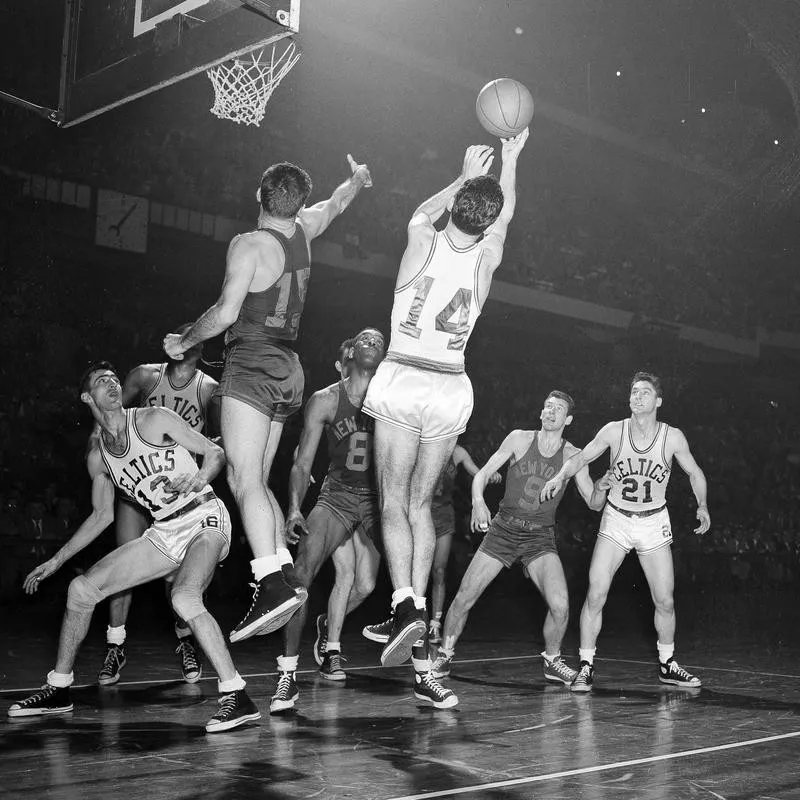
(370, 332)
(103, 373)
(642, 386)
(556, 402)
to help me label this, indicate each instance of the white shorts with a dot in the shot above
(434, 405)
(644, 534)
(173, 538)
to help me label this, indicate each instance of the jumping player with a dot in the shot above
(636, 517)
(523, 530)
(420, 396)
(260, 306)
(147, 454)
(347, 505)
(189, 392)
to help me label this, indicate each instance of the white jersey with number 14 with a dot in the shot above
(435, 312)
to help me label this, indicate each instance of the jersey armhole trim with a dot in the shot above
(664, 445)
(619, 446)
(425, 266)
(476, 282)
(145, 441)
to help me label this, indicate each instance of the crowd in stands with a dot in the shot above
(60, 312)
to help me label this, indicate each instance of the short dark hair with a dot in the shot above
(559, 395)
(285, 188)
(651, 379)
(95, 366)
(344, 347)
(477, 205)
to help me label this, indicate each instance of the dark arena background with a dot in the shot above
(655, 229)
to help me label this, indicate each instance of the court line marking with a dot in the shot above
(483, 787)
(369, 667)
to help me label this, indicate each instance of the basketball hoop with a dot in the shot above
(243, 85)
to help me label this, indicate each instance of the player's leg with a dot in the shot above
(441, 555)
(368, 561)
(606, 560)
(130, 522)
(547, 575)
(482, 570)
(130, 565)
(327, 530)
(396, 451)
(246, 433)
(189, 656)
(192, 579)
(659, 571)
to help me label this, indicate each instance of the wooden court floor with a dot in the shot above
(511, 736)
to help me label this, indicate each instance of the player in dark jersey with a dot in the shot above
(523, 530)
(189, 392)
(347, 504)
(147, 453)
(636, 518)
(259, 308)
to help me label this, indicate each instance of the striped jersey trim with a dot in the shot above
(424, 363)
(419, 274)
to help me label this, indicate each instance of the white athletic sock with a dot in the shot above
(284, 556)
(398, 595)
(235, 684)
(549, 657)
(587, 654)
(183, 633)
(337, 646)
(115, 635)
(421, 664)
(437, 617)
(288, 663)
(264, 566)
(60, 680)
(447, 651)
(665, 651)
(419, 603)
(449, 644)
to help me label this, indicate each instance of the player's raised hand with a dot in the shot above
(495, 477)
(704, 518)
(477, 161)
(296, 526)
(31, 583)
(551, 488)
(513, 147)
(480, 517)
(173, 346)
(360, 172)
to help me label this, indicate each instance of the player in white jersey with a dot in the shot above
(420, 396)
(147, 454)
(189, 392)
(636, 517)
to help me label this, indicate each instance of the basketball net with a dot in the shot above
(243, 85)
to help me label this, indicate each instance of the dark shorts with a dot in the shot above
(352, 509)
(265, 375)
(444, 518)
(510, 539)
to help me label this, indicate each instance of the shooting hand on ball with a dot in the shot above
(513, 147)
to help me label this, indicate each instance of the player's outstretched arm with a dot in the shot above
(317, 218)
(461, 458)
(240, 267)
(683, 455)
(160, 423)
(138, 383)
(101, 517)
(605, 439)
(593, 494)
(480, 511)
(495, 239)
(317, 414)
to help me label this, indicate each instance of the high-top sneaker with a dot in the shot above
(112, 664)
(235, 709)
(441, 665)
(380, 631)
(274, 602)
(409, 626)
(331, 668)
(189, 657)
(321, 642)
(558, 671)
(427, 688)
(48, 700)
(285, 694)
(673, 673)
(584, 680)
(293, 581)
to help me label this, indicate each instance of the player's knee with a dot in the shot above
(439, 573)
(559, 607)
(664, 604)
(596, 596)
(83, 595)
(187, 603)
(241, 480)
(364, 586)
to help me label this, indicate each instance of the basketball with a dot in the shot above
(504, 107)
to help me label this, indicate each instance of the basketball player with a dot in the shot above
(189, 392)
(147, 454)
(347, 505)
(636, 517)
(259, 308)
(420, 396)
(523, 531)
